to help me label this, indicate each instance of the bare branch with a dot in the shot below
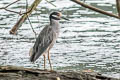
(5, 8)
(2, 8)
(118, 7)
(29, 20)
(13, 11)
(24, 17)
(51, 3)
(20, 13)
(32, 28)
(11, 4)
(95, 9)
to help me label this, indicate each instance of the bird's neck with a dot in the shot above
(55, 26)
(54, 22)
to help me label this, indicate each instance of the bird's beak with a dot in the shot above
(64, 18)
(60, 15)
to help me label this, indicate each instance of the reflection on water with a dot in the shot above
(89, 41)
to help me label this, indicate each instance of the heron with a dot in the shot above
(47, 38)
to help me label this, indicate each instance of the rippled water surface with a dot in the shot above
(89, 41)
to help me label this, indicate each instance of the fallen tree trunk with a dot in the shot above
(20, 73)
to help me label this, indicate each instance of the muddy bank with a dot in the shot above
(20, 73)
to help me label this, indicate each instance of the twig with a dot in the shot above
(51, 3)
(13, 11)
(24, 17)
(32, 28)
(5, 8)
(12, 3)
(9, 4)
(95, 9)
(20, 13)
(29, 20)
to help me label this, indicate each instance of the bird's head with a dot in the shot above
(56, 16)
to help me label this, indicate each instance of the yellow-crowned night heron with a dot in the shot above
(46, 39)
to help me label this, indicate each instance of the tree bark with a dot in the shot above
(20, 73)
(24, 17)
(118, 7)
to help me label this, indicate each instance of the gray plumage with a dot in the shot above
(45, 40)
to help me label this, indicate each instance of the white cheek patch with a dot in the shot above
(55, 16)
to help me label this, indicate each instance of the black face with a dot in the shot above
(55, 15)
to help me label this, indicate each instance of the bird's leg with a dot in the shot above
(49, 60)
(44, 61)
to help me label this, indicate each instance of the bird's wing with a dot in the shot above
(44, 40)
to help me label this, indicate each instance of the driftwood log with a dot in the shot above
(20, 73)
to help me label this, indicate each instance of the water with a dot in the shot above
(89, 41)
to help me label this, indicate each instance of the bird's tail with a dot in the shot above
(31, 54)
